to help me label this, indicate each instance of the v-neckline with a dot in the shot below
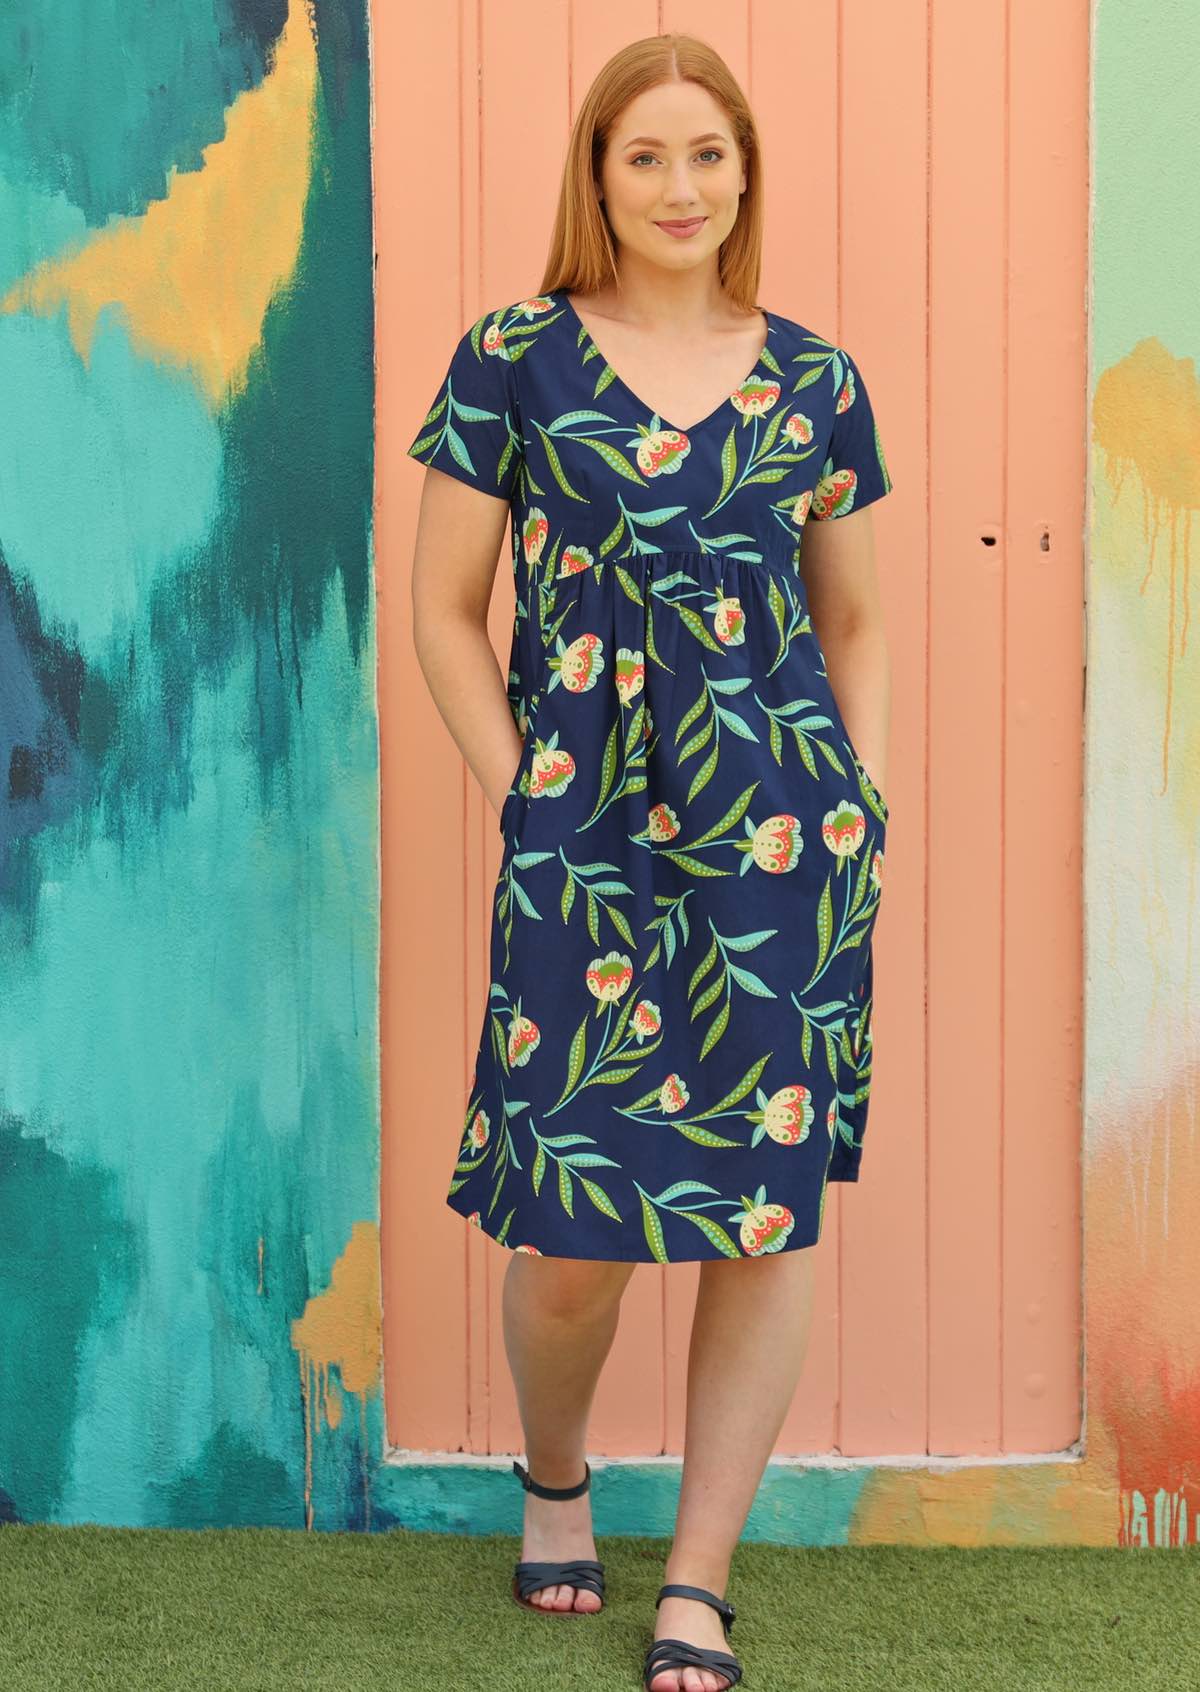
(641, 404)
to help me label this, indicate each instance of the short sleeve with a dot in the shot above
(470, 430)
(855, 472)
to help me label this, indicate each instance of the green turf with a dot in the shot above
(407, 1612)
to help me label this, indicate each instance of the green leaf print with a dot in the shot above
(600, 1199)
(695, 624)
(652, 1228)
(555, 463)
(712, 1231)
(741, 1088)
(614, 459)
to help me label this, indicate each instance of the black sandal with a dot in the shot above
(678, 1654)
(581, 1572)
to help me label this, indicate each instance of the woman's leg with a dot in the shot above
(560, 1316)
(749, 1337)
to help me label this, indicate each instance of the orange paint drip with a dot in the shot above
(1146, 418)
(343, 1328)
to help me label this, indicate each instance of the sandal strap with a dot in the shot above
(678, 1653)
(583, 1572)
(679, 1589)
(530, 1485)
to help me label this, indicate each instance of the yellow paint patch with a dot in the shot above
(196, 272)
(1035, 1503)
(342, 1326)
(1146, 420)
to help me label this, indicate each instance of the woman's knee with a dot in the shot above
(572, 1288)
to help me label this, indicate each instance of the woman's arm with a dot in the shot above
(460, 529)
(837, 562)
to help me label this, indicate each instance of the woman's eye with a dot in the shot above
(715, 154)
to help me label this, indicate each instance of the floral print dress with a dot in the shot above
(675, 1055)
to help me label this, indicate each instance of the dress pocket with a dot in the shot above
(865, 779)
(870, 791)
(515, 796)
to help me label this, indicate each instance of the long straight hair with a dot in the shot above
(582, 254)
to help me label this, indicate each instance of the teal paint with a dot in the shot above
(109, 473)
(37, 225)
(70, 1264)
(188, 864)
(794, 1505)
(232, 1484)
(119, 96)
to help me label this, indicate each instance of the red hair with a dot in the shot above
(582, 255)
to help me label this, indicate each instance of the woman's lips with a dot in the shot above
(681, 230)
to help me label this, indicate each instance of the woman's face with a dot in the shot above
(671, 159)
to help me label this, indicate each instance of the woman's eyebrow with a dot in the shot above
(655, 141)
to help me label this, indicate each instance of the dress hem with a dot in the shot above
(790, 1244)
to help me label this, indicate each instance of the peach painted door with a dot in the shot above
(927, 207)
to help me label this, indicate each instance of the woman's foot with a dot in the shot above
(697, 1622)
(556, 1529)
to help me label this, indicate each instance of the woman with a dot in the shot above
(675, 1057)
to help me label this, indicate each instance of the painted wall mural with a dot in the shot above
(189, 1116)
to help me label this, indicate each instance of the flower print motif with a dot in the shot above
(579, 665)
(524, 1038)
(764, 1227)
(843, 830)
(630, 674)
(661, 452)
(776, 844)
(756, 397)
(673, 1094)
(663, 822)
(530, 1249)
(492, 341)
(476, 1220)
(789, 1113)
(801, 508)
(608, 978)
(534, 531)
(574, 559)
(729, 620)
(835, 490)
(646, 1019)
(551, 770)
(845, 398)
(531, 308)
(877, 868)
(798, 428)
(831, 1116)
(480, 1127)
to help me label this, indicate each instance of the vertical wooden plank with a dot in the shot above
(883, 294)
(969, 259)
(1041, 1312)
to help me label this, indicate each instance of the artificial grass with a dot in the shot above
(254, 1608)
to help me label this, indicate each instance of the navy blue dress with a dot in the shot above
(675, 1056)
